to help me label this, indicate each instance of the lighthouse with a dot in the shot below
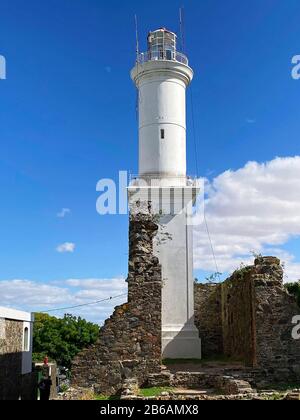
(162, 75)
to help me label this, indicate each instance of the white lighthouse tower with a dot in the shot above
(161, 76)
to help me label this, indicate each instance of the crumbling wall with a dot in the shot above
(277, 351)
(238, 318)
(208, 318)
(256, 315)
(130, 340)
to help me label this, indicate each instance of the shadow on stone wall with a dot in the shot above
(10, 376)
(14, 385)
(208, 318)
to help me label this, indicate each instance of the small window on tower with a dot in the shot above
(26, 339)
(162, 134)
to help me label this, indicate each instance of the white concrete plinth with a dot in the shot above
(173, 245)
(181, 343)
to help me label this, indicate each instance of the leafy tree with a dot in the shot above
(294, 289)
(61, 339)
(214, 278)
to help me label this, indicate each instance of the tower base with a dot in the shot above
(171, 208)
(181, 342)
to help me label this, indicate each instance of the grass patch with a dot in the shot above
(274, 397)
(153, 392)
(283, 387)
(106, 398)
(101, 398)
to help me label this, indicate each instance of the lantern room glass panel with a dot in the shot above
(162, 45)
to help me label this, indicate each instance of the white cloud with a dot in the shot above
(63, 213)
(37, 296)
(253, 208)
(66, 247)
(94, 284)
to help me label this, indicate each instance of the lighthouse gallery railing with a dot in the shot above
(162, 56)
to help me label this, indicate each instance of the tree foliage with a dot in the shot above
(294, 289)
(61, 339)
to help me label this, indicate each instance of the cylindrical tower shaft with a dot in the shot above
(161, 76)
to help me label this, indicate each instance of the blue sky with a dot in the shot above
(67, 118)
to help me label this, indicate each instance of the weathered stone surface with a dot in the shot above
(208, 318)
(191, 380)
(14, 385)
(293, 396)
(11, 360)
(238, 317)
(76, 394)
(231, 386)
(160, 379)
(130, 340)
(228, 385)
(130, 388)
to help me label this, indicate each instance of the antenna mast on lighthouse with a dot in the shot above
(137, 37)
(181, 22)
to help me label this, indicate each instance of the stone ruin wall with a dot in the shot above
(238, 318)
(208, 319)
(249, 318)
(11, 360)
(130, 340)
(275, 308)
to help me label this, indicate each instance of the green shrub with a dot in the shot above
(294, 289)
